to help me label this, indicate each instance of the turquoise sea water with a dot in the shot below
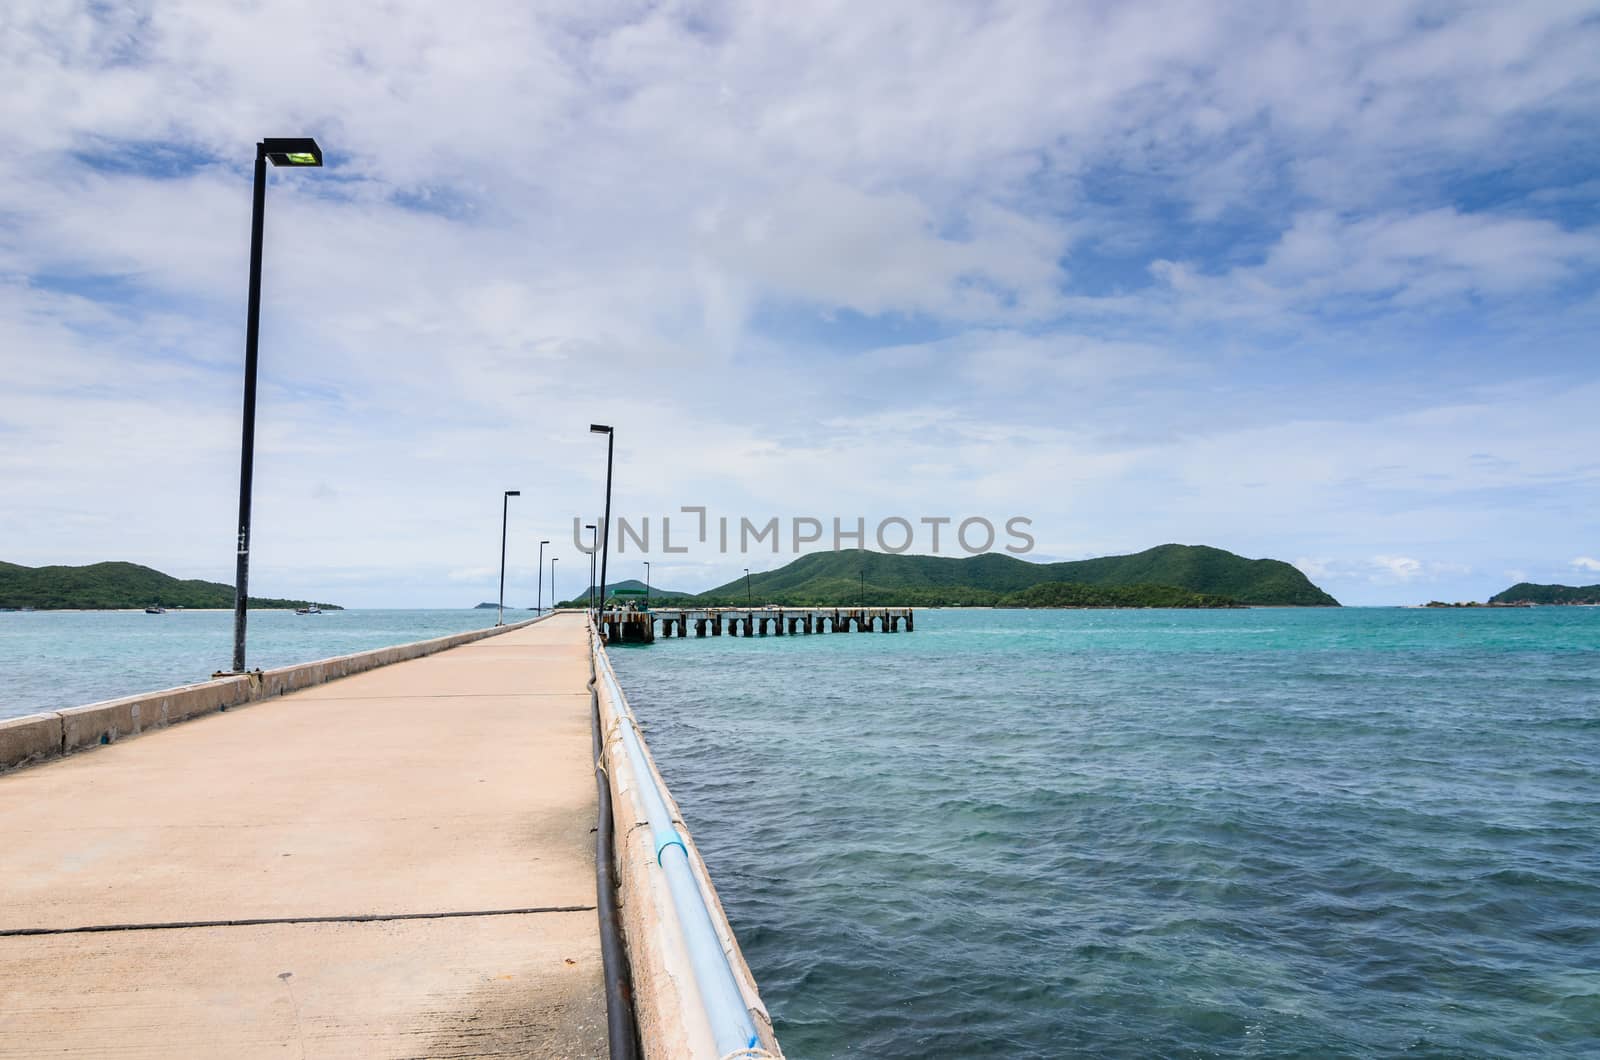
(1267, 833)
(55, 659)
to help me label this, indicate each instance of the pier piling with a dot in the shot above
(621, 626)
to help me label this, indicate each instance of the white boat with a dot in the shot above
(312, 610)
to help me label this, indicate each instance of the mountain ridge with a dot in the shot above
(656, 593)
(836, 578)
(118, 585)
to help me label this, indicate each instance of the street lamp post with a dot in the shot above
(749, 599)
(553, 582)
(605, 535)
(280, 151)
(863, 587)
(505, 511)
(593, 547)
(647, 585)
(538, 603)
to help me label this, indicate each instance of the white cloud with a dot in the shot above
(1315, 569)
(1325, 263)
(817, 256)
(1401, 568)
(1588, 563)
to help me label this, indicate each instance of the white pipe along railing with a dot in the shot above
(729, 1019)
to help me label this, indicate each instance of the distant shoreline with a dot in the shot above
(140, 610)
(327, 609)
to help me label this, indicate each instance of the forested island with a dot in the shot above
(118, 586)
(1185, 575)
(1531, 593)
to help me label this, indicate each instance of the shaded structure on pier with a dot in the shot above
(622, 626)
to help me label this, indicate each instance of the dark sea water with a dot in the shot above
(55, 659)
(1268, 833)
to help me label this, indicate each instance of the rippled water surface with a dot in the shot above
(55, 659)
(1151, 833)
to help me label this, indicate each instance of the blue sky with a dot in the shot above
(1305, 283)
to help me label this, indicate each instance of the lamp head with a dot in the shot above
(299, 151)
(513, 493)
(599, 428)
(545, 542)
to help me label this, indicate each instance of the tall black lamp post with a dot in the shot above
(301, 152)
(505, 511)
(749, 598)
(647, 585)
(594, 547)
(538, 603)
(553, 582)
(605, 534)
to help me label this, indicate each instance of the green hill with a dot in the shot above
(1074, 594)
(107, 586)
(829, 578)
(656, 593)
(1530, 593)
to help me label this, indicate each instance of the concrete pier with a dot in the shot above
(397, 863)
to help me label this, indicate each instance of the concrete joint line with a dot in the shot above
(358, 918)
(453, 695)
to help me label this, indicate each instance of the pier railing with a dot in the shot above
(693, 994)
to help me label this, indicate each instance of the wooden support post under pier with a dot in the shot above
(636, 627)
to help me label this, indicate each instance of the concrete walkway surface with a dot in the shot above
(453, 796)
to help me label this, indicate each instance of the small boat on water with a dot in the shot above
(312, 610)
(157, 610)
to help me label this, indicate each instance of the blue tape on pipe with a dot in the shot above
(673, 840)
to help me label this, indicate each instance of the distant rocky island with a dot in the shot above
(1471, 603)
(1165, 576)
(119, 586)
(1530, 593)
